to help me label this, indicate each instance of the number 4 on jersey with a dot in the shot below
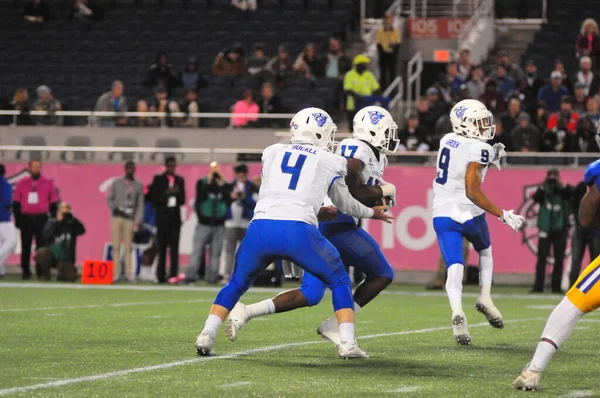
(294, 170)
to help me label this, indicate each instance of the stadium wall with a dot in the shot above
(409, 242)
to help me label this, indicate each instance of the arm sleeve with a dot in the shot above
(341, 198)
(539, 195)
(139, 213)
(49, 230)
(181, 192)
(53, 196)
(110, 199)
(374, 83)
(78, 228)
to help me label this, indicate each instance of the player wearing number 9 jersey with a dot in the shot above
(295, 179)
(459, 207)
(581, 299)
(374, 136)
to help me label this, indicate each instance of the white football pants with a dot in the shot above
(8, 242)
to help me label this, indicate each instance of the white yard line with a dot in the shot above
(579, 394)
(404, 390)
(215, 289)
(168, 365)
(236, 384)
(77, 307)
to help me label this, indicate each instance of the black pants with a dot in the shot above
(558, 240)
(167, 236)
(31, 226)
(387, 69)
(582, 238)
(351, 115)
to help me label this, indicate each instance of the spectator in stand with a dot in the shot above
(454, 79)
(442, 126)
(443, 88)
(245, 105)
(588, 41)
(413, 137)
(501, 136)
(36, 11)
(592, 110)
(85, 11)
(112, 101)
(559, 66)
(587, 77)
(281, 66)
(167, 194)
(269, 102)
(476, 86)
(513, 70)
(21, 103)
(159, 103)
(191, 78)
(306, 62)
(126, 204)
(562, 127)
(230, 62)
(552, 92)
(388, 43)
(46, 102)
(161, 74)
(188, 105)
(505, 83)
(35, 197)
(244, 195)
(337, 63)
(510, 118)
(525, 137)
(579, 98)
(465, 67)
(534, 84)
(244, 5)
(541, 117)
(257, 64)
(437, 107)
(492, 98)
(586, 134)
(426, 118)
(358, 83)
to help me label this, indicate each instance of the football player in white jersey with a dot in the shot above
(295, 179)
(459, 207)
(374, 135)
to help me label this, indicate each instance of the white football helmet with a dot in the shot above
(313, 126)
(473, 120)
(375, 125)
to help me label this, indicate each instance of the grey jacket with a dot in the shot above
(124, 204)
(105, 104)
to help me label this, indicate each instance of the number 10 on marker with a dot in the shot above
(97, 272)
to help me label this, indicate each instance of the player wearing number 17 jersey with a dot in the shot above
(459, 207)
(295, 179)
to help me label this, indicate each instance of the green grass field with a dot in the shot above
(139, 341)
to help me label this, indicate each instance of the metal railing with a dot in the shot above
(478, 33)
(397, 84)
(91, 115)
(440, 8)
(414, 71)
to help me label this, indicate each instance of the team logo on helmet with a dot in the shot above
(375, 117)
(294, 126)
(460, 112)
(320, 119)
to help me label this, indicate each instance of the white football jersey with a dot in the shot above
(295, 180)
(454, 156)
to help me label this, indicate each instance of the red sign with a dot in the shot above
(97, 272)
(435, 28)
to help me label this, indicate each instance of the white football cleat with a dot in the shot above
(329, 330)
(461, 331)
(528, 380)
(234, 322)
(491, 313)
(347, 350)
(205, 346)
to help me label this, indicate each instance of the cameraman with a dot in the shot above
(212, 202)
(554, 198)
(61, 234)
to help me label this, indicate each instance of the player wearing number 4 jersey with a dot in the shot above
(581, 299)
(459, 207)
(295, 179)
(374, 136)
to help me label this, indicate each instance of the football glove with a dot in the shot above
(389, 192)
(499, 153)
(513, 220)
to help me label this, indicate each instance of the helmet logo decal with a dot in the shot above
(320, 119)
(294, 126)
(460, 111)
(375, 117)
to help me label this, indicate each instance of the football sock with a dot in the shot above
(211, 326)
(261, 308)
(347, 332)
(454, 287)
(486, 268)
(558, 328)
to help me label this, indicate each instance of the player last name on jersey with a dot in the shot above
(313, 151)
